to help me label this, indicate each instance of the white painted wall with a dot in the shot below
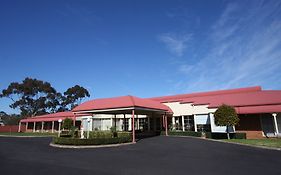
(202, 115)
(216, 128)
(180, 109)
(188, 109)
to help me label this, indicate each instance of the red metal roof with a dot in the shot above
(121, 102)
(50, 117)
(258, 109)
(241, 99)
(174, 98)
(245, 100)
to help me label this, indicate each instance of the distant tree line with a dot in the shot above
(36, 97)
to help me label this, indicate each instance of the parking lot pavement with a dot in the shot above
(157, 155)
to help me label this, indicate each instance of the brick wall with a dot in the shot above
(251, 125)
(12, 128)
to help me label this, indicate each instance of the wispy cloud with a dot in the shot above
(245, 50)
(176, 44)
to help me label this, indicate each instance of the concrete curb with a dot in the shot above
(235, 143)
(89, 146)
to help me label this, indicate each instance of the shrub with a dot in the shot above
(124, 134)
(99, 134)
(73, 132)
(113, 130)
(214, 135)
(67, 123)
(183, 133)
(239, 135)
(96, 141)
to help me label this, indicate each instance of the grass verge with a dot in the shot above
(26, 134)
(272, 143)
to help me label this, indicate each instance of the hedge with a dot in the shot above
(183, 133)
(214, 135)
(107, 134)
(99, 134)
(96, 141)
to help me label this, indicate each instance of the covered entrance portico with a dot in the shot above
(127, 110)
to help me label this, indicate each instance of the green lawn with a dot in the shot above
(27, 134)
(276, 143)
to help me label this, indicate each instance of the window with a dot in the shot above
(126, 124)
(204, 128)
(96, 124)
(189, 123)
(143, 124)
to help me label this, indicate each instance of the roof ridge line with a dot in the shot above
(132, 99)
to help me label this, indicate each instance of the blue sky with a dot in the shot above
(144, 48)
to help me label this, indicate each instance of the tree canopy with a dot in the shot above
(74, 95)
(12, 119)
(226, 116)
(35, 97)
(31, 96)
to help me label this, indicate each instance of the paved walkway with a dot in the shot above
(159, 155)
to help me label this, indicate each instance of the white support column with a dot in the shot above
(130, 124)
(42, 126)
(26, 126)
(195, 125)
(19, 127)
(182, 121)
(53, 123)
(34, 126)
(148, 123)
(173, 122)
(111, 121)
(275, 123)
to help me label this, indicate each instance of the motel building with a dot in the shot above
(259, 112)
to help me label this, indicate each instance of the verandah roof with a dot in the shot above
(116, 103)
(50, 117)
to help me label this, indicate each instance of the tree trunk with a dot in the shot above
(227, 131)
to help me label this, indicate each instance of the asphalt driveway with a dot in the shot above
(158, 155)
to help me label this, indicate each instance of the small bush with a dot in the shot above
(239, 135)
(124, 134)
(96, 141)
(183, 133)
(214, 135)
(99, 134)
(67, 123)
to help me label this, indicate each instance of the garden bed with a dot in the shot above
(216, 135)
(95, 138)
(95, 141)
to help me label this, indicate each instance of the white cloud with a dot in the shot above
(244, 50)
(176, 44)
